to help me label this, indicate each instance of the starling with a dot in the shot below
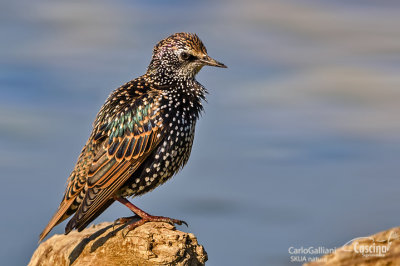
(141, 137)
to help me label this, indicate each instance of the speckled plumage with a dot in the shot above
(142, 135)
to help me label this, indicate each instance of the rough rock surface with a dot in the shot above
(380, 249)
(149, 244)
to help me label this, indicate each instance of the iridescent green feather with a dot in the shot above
(127, 121)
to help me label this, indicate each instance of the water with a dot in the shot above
(298, 146)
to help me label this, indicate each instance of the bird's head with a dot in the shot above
(180, 55)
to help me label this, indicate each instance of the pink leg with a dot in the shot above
(144, 215)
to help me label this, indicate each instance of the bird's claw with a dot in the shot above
(178, 222)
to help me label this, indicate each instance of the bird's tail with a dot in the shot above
(57, 218)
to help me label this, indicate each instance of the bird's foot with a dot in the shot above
(144, 215)
(151, 218)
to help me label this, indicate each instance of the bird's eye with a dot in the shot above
(185, 56)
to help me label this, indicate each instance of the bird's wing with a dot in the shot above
(124, 140)
(118, 145)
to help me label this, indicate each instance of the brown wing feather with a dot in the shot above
(123, 136)
(125, 142)
(73, 192)
(101, 185)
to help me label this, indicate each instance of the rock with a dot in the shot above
(380, 249)
(149, 244)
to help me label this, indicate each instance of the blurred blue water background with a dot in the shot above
(299, 144)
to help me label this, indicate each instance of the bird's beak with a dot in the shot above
(206, 60)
